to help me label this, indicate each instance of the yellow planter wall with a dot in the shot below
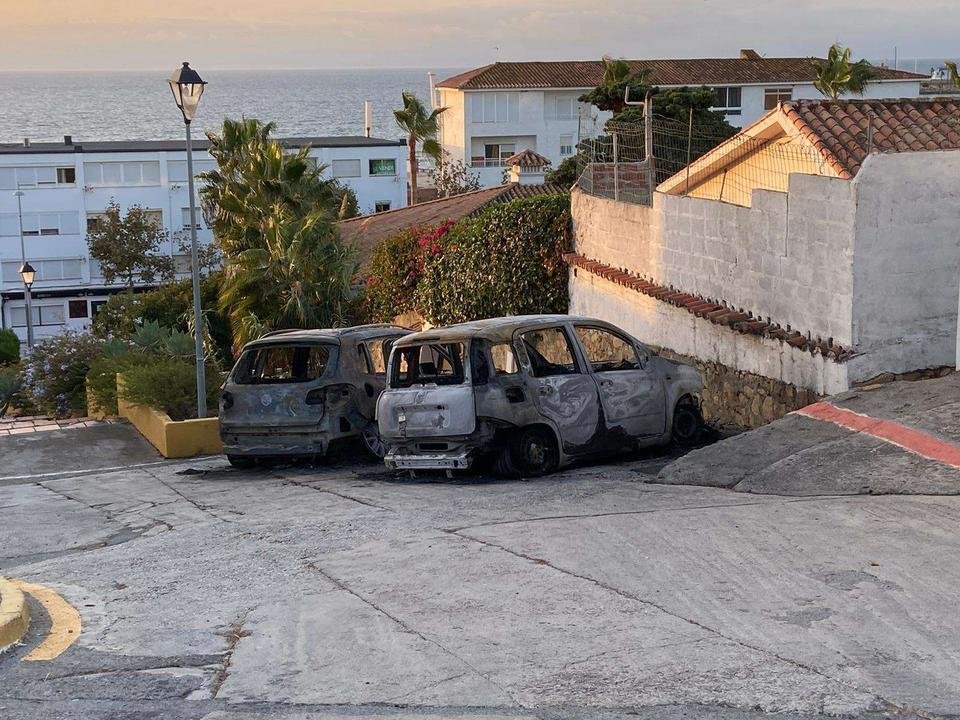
(173, 438)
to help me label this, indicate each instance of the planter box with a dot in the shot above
(173, 438)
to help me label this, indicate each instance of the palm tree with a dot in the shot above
(954, 75)
(837, 75)
(420, 127)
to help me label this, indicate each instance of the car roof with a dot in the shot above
(334, 336)
(497, 329)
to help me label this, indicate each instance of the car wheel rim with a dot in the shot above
(534, 454)
(372, 441)
(685, 425)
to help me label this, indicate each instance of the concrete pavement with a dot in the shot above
(344, 591)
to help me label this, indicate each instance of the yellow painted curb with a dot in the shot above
(14, 614)
(64, 622)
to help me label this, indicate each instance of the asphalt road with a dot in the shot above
(348, 592)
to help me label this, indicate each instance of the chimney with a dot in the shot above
(68, 140)
(750, 54)
(367, 119)
(26, 142)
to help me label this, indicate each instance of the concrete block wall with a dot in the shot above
(906, 273)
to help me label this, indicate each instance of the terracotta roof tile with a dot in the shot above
(716, 313)
(695, 71)
(527, 158)
(847, 130)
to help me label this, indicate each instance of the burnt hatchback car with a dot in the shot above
(530, 393)
(294, 392)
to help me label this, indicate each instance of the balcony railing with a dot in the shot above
(488, 162)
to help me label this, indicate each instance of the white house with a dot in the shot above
(66, 186)
(500, 109)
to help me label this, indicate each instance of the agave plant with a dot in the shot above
(10, 386)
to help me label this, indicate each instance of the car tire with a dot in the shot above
(242, 462)
(372, 442)
(503, 460)
(534, 453)
(687, 427)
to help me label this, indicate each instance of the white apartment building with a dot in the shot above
(500, 109)
(66, 186)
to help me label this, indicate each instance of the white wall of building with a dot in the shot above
(872, 263)
(70, 287)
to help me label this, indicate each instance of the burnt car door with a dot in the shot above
(562, 391)
(631, 391)
(373, 356)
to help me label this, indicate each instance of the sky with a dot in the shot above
(279, 34)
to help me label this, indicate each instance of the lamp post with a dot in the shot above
(27, 273)
(187, 87)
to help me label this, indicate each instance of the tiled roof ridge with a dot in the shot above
(493, 191)
(717, 312)
(527, 158)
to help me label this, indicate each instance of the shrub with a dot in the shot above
(10, 387)
(170, 306)
(169, 385)
(9, 347)
(102, 377)
(396, 265)
(55, 372)
(508, 260)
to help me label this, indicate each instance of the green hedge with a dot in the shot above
(169, 384)
(505, 261)
(9, 347)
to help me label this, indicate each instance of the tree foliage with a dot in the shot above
(129, 246)
(421, 127)
(617, 77)
(838, 75)
(273, 216)
(508, 260)
(453, 177)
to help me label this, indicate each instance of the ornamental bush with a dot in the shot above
(396, 265)
(9, 347)
(508, 260)
(55, 371)
(169, 384)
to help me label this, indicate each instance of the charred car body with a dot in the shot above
(295, 392)
(532, 393)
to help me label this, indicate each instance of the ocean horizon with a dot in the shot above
(137, 105)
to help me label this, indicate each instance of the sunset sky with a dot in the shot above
(149, 34)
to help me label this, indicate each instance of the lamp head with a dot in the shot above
(187, 87)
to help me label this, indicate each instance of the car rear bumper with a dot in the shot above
(421, 461)
(274, 441)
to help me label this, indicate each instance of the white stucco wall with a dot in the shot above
(906, 262)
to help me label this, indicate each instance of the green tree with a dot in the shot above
(617, 77)
(954, 75)
(284, 263)
(420, 127)
(837, 75)
(128, 246)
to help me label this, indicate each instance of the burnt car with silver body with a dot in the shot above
(530, 393)
(294, 392)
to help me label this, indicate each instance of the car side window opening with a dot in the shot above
(282, 364)
(607, 351)
(429, 363)
(504, 359)
(549, 352)
(375, 354)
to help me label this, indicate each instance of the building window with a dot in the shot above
(494, 155)
(566, 108)
(95, 306)
(110, 174)
(78, 309)
(42, 315)
(40, 224)
(345, 168)
(177, 169)
(566, 145)
(488, 107)
(56, 269)
(381, 206)
(728, 100)
(33, 177)
(386, 166)
(774, 96)
(185, 219)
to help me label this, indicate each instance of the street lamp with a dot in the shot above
(27, 273)
(187, 87)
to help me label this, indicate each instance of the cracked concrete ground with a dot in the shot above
(344, 591)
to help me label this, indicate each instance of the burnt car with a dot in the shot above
(531, 394)
(294, 392)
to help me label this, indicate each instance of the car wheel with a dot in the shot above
(372, 442)
(535, 453)
(242, 462)
(503, 460)
(687, 422)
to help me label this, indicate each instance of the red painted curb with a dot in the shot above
(915, 441)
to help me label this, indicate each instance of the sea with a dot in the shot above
(90, 106)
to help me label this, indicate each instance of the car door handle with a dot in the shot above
(546, 390)
(606, 383)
